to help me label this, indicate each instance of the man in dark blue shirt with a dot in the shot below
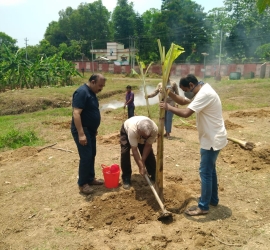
(130, 101)
(84, 126)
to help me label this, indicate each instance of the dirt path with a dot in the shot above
(42, 209)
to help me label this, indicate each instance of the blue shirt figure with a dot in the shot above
(129, 101)
(84, 126)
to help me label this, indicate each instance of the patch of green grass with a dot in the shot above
(229, 106)
(16, 139)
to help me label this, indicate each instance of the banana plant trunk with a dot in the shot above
(160, 150)
(166, 63)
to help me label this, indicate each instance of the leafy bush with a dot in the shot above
(16, 139)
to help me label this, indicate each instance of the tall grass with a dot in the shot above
(16, 139)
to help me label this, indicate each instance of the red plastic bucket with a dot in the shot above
(111, 175)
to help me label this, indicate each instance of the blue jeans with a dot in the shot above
(131, 111)
(209, 184)
(87, 155)
(168, 121)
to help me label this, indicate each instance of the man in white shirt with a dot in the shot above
(138, 133)
(212, 135)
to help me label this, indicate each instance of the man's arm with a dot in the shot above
(130, 100)
(138, 160)
(156, 91)
(175, 89)
(146, 150)
(78, 124)
(180, 112)
(179, 99)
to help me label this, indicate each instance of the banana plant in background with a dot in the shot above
(143, 75)
(17, 72)
(166, 64)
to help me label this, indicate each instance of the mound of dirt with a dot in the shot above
(230, 125)
(60, 125)
(109, 139)
(259, 113)
(124, 210)
(246, 160)
(28, 105)
(19, 153)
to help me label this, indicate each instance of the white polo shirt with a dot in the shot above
(209, 120)
(131, 127)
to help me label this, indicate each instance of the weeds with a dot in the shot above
(16, 139)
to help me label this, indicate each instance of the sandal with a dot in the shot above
(96, 182)
(194, 211)
(86, 189)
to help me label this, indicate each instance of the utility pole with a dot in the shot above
(129, 45)
(220, 48)
(92, 55)
(204, 55)
(26, 47)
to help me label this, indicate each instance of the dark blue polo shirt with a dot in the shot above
(84, 98)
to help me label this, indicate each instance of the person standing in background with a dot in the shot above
(169, 100)
(129, 101)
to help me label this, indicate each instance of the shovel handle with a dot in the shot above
(155, 193)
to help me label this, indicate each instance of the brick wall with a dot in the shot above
(181, 69)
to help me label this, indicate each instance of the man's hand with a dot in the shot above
(143, 171)
(164, 105)
(83, 140)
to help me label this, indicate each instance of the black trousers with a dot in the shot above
(131, 111)
(150, 161)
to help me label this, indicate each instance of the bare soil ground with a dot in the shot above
(41, 207)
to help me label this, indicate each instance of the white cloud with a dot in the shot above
(11, 2)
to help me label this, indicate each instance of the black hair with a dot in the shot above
(128, 87)
(183, 82)
(192, 78)
(186, 80)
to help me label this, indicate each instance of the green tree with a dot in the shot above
(251, 29)
(90, 21)
(9, 42)
(124, 22)
(184, 23)
(262, 5)
(72, 52)
(221, 24)
(263, 51)
(148, 47)
(55, 35)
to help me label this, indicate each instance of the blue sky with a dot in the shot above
(29, 19)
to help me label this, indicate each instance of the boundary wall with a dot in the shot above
(180, 70)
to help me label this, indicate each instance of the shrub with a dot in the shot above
(16, 139)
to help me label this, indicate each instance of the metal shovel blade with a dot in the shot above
(164, 213)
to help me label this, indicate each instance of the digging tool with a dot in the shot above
(124, 117)
(165, 213)
(244, 144)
